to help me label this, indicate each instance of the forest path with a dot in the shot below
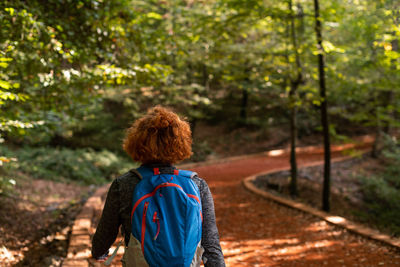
(258, 232)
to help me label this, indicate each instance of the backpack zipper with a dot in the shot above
(156, 220)
(146, 204)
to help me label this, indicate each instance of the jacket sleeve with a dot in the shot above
(107, 229)
(212, 256)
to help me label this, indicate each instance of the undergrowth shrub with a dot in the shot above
(6, 185)
(62, 164)
(201, 150)
(381, 192)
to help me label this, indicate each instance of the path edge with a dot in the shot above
(330, 218)
(80, 242)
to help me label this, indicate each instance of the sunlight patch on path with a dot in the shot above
(268, 252)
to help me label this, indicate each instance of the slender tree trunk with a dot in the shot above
(189, 78)
(193, 124)
(293, 162)
(205, 76)
(376, 148)
(172, 32)
(388, 101)
(324, 111)
(294, 84)
(245, 94)
(243, 107)
(293, 112)
(189, 75)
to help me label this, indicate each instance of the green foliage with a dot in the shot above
(56, 56)
(382, 202)
(81, 165)
(76, 73)
(6, 185)
(382, 192)
(201, 150)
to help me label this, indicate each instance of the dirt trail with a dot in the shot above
(258, 232)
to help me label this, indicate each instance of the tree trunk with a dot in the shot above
(205, 76)
(189, 72)
(324, 111)
(294, 84)
(245, 94)
(376, 148)
(193, 124)
(243, 107)
(293, 162)
(388, 101)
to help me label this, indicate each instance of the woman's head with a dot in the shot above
(160, 136)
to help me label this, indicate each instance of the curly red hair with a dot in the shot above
(160, 136)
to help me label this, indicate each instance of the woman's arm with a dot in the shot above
(107, 229)
(212, 256)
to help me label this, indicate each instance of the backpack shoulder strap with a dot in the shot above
(142, 171)
(136, 173)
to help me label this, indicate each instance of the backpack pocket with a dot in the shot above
(133, 256)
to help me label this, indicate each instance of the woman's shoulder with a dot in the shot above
(127, 180)
(200, 182)
(130, 175)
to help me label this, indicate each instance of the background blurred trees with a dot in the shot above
(75, 73)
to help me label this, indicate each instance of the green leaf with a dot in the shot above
(10, 10)
(154, 15)
(5, 85)
(5, 59)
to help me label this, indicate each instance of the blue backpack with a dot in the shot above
(166, 216)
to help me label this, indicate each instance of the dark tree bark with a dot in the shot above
(324, 111)
(204, 71)
(243, 107)
(294, 84)
(376, 149)
(245, 95)
(293, 141)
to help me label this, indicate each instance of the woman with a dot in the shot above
(157, 140)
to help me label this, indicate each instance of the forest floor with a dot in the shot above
(347, 198)
(258, 232)
(36, 220)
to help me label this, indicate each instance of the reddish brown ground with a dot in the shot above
(258, 232)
